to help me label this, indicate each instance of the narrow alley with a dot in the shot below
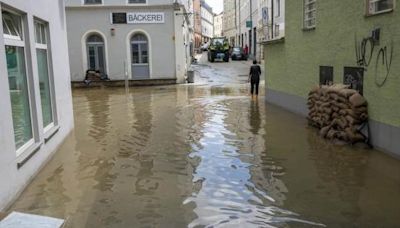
(207, 155)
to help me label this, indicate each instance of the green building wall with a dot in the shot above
(292, 66)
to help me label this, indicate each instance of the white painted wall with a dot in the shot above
(13, 180)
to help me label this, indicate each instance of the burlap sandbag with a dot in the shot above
(345, 112)
(347, 92)
(351, 120)
(342, 105)
(331, 134)
(324, 131)
(361, 109)
(328, 110)
(342, 136)
(357, 100)
(343, 124)
(315, 89)
(334, 96)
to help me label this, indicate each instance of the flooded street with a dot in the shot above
(207, 155)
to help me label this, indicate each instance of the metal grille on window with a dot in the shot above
(310, 13)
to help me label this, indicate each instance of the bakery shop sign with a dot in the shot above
(145, 18)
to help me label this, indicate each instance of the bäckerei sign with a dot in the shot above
(145, 18)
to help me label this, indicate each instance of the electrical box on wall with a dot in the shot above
(325, 75)
(354, 76)
(376, 33)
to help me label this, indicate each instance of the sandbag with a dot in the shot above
(357, 100)
(347, 92)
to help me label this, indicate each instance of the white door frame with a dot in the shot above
(129, 52)
(84, 51)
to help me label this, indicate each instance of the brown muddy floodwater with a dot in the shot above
(207, 156)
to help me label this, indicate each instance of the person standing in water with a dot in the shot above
(254, 78)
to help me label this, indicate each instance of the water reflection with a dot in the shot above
(228, 196)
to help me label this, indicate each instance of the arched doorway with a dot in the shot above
(95, 53)
(140, 56)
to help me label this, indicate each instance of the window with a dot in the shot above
(93, 1)
(44, 74)
(17, 79)
(379, 6)
(278, 8)
(11, 26)
(310, 9)
(96, 53)
(137, 1)
(139, 49)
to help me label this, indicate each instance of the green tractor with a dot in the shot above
(218, 49)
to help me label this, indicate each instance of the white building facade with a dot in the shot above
(229, 21)
(218, 24)
(207, 21)
(138, 40)
(251, 22)
(36, 101)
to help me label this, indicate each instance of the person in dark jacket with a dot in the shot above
(254, 78)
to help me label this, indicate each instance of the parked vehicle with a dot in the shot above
(238, 53)
(218, 49)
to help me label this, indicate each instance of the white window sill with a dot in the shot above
(274, 41)
(27, 154)
(378, 13)
(50, 131)
(308, 29)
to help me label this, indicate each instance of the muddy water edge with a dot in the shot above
(186, 156)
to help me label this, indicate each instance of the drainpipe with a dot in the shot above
(240, 27)
(251, 27)
(272, 19)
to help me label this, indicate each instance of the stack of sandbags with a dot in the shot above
(338, 112)
(93, 75)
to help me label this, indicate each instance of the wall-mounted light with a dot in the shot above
(112, 31)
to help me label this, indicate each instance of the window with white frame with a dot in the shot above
(278, 8)
(18, 80)
(310, 10)
(93, 1)
(379, 6)
(137, 1)
(45, 85)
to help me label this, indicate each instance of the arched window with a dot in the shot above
(139, 49)
(96, 53)
(140, 56)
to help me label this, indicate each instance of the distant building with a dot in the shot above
(218, 24)
(356, 40)
(197, 24)
(243, 25)
(229, 21)
(36, 102)
(151, 41)
(207, 22)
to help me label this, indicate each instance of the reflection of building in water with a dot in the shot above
(341, 168)
(230, 169)
(99, 111)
